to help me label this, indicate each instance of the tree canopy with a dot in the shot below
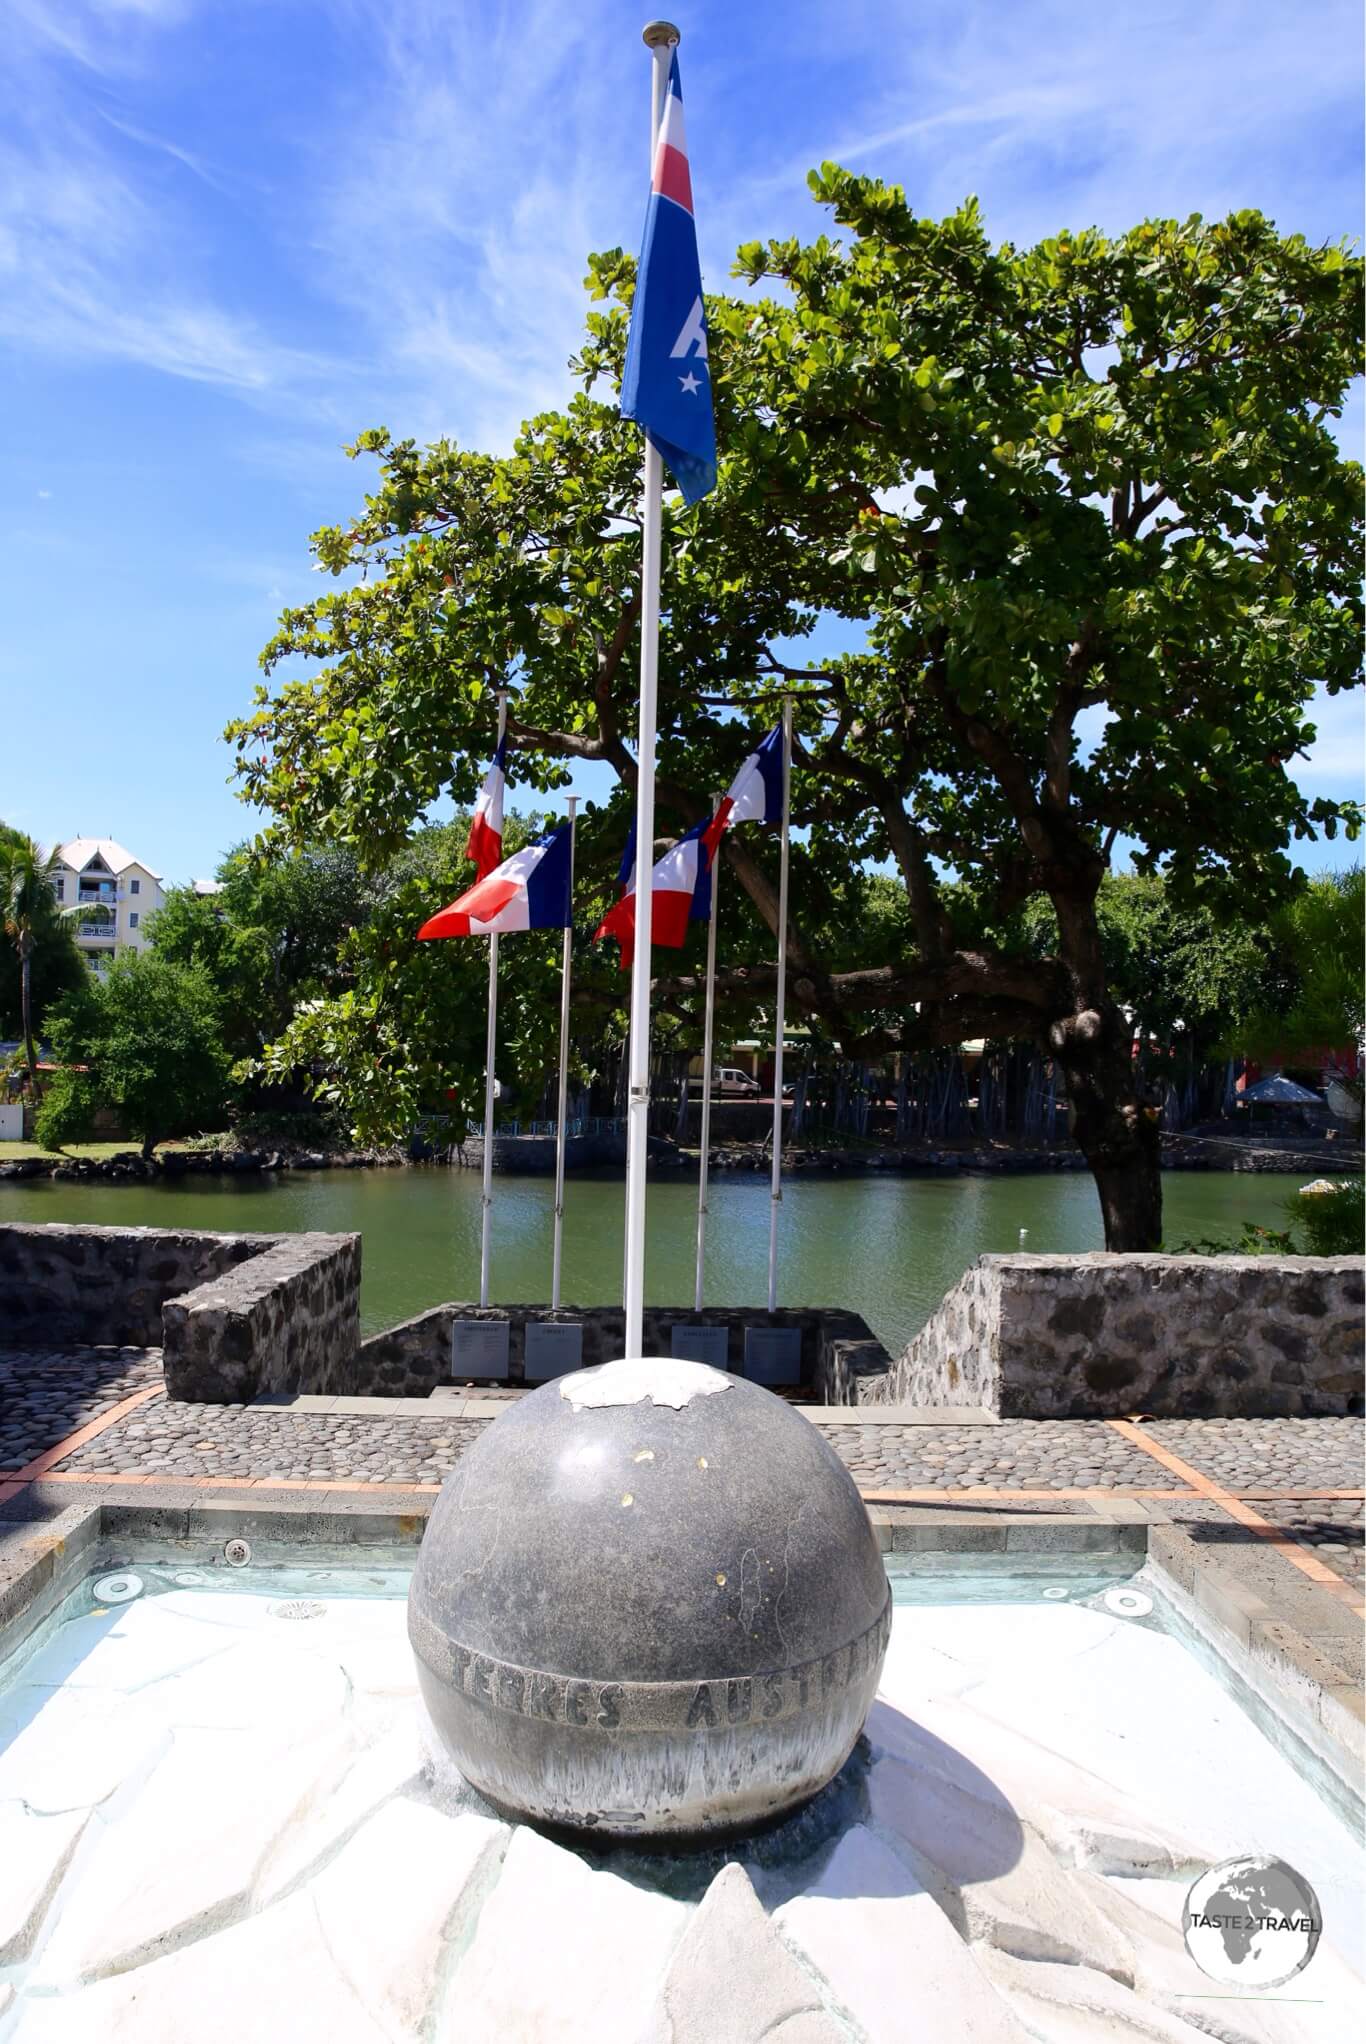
(271, 937)
(144, 1038)
(1081, 501)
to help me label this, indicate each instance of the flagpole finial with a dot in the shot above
(660, 35)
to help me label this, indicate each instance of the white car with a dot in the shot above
(726, 1079)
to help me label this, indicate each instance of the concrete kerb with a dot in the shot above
(1285, 1639)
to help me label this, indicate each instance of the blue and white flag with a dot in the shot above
(666, 387)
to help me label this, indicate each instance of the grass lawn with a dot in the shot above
(10, 1151)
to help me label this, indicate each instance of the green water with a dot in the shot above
(888, 1248)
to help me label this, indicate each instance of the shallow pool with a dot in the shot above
(220, 1819)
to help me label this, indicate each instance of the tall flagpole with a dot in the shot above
(571, 803)
(490, 1056)
(776, 1189)
(660, 37)
(706, 1070)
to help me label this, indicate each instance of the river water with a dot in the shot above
(888, 1248)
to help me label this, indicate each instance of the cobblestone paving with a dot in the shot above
(45, 1394)
(171, 1440)
(1041, 1454)
(1275, 1454)
(1334, 1527)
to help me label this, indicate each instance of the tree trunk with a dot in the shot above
(26, 1008)
(1114, 1126)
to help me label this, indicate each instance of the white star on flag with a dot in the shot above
(690, 383)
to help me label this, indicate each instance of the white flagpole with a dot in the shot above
(490, 1056)
(660, 37)
(776, 1191)
(571, 803)
(706, 1071)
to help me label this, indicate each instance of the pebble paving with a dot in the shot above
(1040, 1455)
(46, 1395)
(1279, 1454)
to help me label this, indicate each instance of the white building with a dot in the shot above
(120, 893)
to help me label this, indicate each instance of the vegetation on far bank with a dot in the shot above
(1325, 1218)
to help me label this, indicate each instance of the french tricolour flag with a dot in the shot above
(756, 793)
(680, 891)
(485, 845)
(665, 384)
(529, 891)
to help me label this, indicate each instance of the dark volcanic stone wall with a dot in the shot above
(287, 1321)
(69, 1284)
(234, 1315)
(1101, 1336)
(839, 1353)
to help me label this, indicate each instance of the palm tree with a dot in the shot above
(29, 910)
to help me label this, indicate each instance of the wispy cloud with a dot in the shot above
(484, 160)
(93, 264)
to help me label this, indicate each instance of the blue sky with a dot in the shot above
(234, 233)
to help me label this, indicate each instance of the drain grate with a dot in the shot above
(298, 1607)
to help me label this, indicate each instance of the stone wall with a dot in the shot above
(234, 1315)
(1101, 1336)
(289, 1320)
(840, 1356)
(69, 1284)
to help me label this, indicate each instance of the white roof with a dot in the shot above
(79, 851)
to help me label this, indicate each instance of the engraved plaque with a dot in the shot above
(553, 1349)
(479, 1348)
(773, 1355)
(700, 1344)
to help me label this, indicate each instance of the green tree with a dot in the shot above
(149, 1035)
(1081, 498)
(41, 959)
(1315, 1001)
(1180, 971)
(402, 1033)
(272, 936)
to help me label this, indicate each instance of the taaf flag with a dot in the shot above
(666, 387)
(529, 891)
(680, 891)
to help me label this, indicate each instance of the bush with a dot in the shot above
(67, 1111)
(1254, 1240)
(1332, 1222)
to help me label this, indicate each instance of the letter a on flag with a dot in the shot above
(666, 387)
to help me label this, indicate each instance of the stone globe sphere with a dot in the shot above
(649, 1605)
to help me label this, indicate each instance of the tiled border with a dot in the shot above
(1295, 1551)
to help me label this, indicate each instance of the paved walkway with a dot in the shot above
(100, 1417)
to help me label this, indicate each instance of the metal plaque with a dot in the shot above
(700, 1344)
(479, 1348)
(553, 1349)
(773, 1355)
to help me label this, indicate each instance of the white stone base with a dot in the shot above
(219, 1826)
